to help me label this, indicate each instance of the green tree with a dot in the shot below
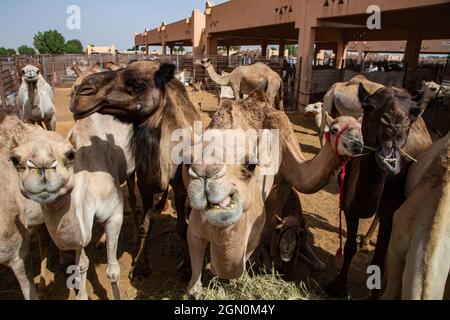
(26, 50)
(73, 47)
(49, 42)
(6, 52)
(293, 49)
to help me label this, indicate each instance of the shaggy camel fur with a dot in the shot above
(245, 79)
(392, 127)
(77, 186)
(146, 95)
(19, 215)
(228, 200)
(419, 253)
(36, 98)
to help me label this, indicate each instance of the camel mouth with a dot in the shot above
(307, 254)
(225, 213)
(44, 197)
(31, 78)
(389, 163)
(78, 115)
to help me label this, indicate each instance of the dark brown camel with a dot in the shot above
(392, 127)
(145, 94)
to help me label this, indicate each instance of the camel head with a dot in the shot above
(30, 73)
(315, 109)
(431, 90)
(206, 62)
(224, 192)
(388, 116)
(290, 233)
(132, 94)
(345, 136)
(44, 164)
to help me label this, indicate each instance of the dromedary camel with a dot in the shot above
(36, 98)
(228, 201)
(419, 252)
(146, 95)
(245, 79)
(393, 129)
(77, 183)
(18, 215)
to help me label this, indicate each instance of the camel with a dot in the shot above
(419, 252)
(434, 90)
(228, 201)
(36, 98)
(285, 236)
(394, 132)
(77, 181)
(316, 109)
(19, 215)
(146, 95)
(245, 79)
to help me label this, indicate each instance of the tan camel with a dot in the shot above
(245, 79)
(19, 215)
(146, 95)
(419, 251)
(228, 200)
(343, 96)
(77, 183)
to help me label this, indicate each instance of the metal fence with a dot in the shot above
(57, 70)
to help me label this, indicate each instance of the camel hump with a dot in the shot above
(257, 96)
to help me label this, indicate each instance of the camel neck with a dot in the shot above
(220, 80)
(309, 176)
(32, 91)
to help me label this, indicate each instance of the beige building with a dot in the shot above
(409, 26)
(91, 49)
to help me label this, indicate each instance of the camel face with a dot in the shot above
(315, 108)
(205, 63)
(30, 73)
(290, 234)
(223, 192)
(132, 94)
(346, 136)
(45, 167)
(388, 116)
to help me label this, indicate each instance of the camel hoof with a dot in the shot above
(336, 290)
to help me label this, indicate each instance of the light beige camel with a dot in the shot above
(228, 200)
(245, 79)
(343, 96)
(19, 215)
(36, 98)
(419, 251)
(77, 183)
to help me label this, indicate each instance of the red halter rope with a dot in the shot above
(339, 252)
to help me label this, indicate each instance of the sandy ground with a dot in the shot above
(321, 211)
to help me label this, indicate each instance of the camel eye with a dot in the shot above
(136, 85)
(334, 130)
(250, 167)
(15, 160)
(70, 156)
(38, 71)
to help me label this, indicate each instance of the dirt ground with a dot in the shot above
(321, 211)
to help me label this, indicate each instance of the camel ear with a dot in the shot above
(14, 142)
(329, 119)
(360, 120)
(364, 96)
(165, 73)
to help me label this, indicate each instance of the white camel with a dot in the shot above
(76, 187)
(36, 99)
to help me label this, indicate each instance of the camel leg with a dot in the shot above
(22, 271)
(338, 287)
(162, 204)
(182, 228)
(140, 268)
(82, 262)
(381, 248)
(132, 200)
(395, 267)
(236, 92)
(197, 248)
(364, 244)
(44, 241)
(112, 230)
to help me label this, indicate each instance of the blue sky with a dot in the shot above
(103, 22)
